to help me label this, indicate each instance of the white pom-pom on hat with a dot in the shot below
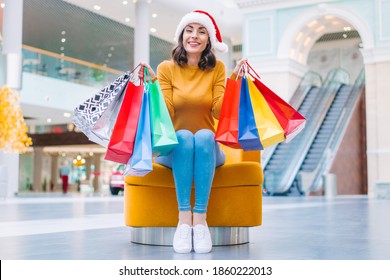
(209, 23)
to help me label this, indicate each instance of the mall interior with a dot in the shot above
(323, 196)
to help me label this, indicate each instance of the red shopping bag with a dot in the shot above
(227, 129)
(121, 144)
(289, 119)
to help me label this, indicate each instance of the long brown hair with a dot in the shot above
(207, 59)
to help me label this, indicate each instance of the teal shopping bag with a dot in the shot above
(163, 133)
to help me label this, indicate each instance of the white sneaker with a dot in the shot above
(202, 239)
(182, 240)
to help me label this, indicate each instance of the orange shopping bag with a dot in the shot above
(227, 129)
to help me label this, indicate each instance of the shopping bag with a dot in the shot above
(248, 136)
(163, 133)
(121, 144)
(101, 132)
(87, 114)
(289, 119)
(227, 129)
(268, 127)
(140, 162)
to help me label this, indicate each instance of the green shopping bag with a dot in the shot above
(163, 133)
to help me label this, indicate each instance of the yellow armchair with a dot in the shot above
(235, 203)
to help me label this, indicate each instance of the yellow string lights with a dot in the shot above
(13, 129)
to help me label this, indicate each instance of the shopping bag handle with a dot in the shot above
(257, 75)
(243, 68)
(147, 76)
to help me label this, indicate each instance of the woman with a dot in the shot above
(193, 84)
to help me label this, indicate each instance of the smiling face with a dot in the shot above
(195, 38)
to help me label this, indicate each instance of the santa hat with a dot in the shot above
(209, 23)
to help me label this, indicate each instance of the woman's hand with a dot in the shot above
(150, 70)
(239, 70)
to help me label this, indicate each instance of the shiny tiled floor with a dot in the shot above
(74, 227)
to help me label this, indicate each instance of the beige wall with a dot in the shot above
(378, 119)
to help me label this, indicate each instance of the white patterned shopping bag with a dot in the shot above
(95, 116)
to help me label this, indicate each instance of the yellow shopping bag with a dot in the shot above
(270, 131)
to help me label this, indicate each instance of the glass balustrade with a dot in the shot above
(41, 62)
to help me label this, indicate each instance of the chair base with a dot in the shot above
(163, 236)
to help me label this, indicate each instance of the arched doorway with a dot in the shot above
(323, 39)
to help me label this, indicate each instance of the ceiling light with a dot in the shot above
(345, 36)
(97, 7)
(347, 28)
(63, 32)
(154, 15)
(48, 120)
(307, 41)
(319, 29)
(67, 115)
(127, 19)
(153, 30)
(112, 48)
(109, 55)
(125, 2)
(299, 36)
(2, 5)
(62, 48)
(312, 23)
(63, 40)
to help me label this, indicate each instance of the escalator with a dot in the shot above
(324, 134)
(284, 163)
(325, 145)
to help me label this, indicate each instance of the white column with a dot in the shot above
(141, 32)
(12, 41)
(11, 71)
(9, 174)
(377, 67)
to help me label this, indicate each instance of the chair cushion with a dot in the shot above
(227, 175)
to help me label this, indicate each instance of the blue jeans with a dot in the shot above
(193, 159)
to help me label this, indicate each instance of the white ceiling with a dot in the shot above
(169, 12)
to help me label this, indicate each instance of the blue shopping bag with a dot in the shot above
(140, 162)
(248, 136)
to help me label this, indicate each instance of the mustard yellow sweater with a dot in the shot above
(193, 96)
